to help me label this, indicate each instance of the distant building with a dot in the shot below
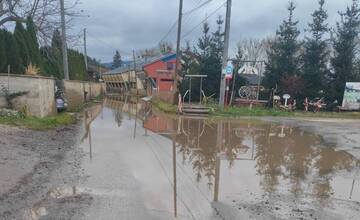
(161, 71)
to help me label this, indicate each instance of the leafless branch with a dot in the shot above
(45, 13)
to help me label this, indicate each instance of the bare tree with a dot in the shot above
(253, 49)
(45, 14)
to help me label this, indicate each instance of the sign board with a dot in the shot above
(229, 70)
(351, 99)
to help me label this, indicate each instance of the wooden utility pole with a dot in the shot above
(63, 41)
(178, 52)
(85, 51)
(225, 54)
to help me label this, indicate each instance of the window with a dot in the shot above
(170, 66)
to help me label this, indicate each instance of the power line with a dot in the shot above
(188, 13)
(206, 18)
(169, 32)
(197, 8)
(108, 45)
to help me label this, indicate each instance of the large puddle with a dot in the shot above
(147, 165)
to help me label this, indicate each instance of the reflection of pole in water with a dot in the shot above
(90, 140)
(217, 165)
(102, 109)
(136, 113)
(352, 189)
(174, 173)
(217, 178)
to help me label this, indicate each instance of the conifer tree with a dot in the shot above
(56, 40)
(344, 45)
(3, 58)
(209, 50)
(21, 38)
(117, 62)
(12, 53)
(283, 56)
(316, 54)
(33, 45)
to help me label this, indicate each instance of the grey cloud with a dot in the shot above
(137, 24)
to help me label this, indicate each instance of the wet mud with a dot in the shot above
(33, 165)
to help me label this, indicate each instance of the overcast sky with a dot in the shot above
(125, 25)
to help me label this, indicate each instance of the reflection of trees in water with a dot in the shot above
(295, 158)
(198, 146)
(200, 151)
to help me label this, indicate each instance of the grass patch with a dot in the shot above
(37, 123)
(14, 118)
(164, 107)
(233, 112)
(243, 111)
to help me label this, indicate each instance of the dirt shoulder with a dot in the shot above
(34, 165)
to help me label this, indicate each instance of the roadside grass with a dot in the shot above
(50, 122)
(37, 123)
(233, 112)
(243, 111)
(164, 107)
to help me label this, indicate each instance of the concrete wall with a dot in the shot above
(39, 99)
(78, 92)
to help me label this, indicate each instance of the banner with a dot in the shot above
(351, 99)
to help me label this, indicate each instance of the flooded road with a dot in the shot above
(141, 164)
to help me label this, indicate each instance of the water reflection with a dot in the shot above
(89, 116)
(283, 159)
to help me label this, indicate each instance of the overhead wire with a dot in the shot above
(186, 14)
(203, 21)
(108, 45)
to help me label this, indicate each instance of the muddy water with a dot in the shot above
(142, 164)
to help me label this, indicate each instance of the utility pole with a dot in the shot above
(178, 46)
(225, 54)
(135, 78)
(63, 40)
(85, 51)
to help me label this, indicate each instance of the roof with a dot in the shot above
(141, 63)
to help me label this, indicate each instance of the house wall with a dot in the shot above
(164, 80)
(39, 100)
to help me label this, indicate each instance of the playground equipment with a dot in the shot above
(189, 107)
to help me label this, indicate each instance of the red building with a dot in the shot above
(162, 70)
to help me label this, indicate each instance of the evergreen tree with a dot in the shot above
(283, 55)
(210, 59)
(33, 45)
(344, 60)
(217, 45)
(56, 40)
(3, 58)
(77, 69)
(12, 53)
(117, 62)
(316, 54)
(52, 57)
(21, 38)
